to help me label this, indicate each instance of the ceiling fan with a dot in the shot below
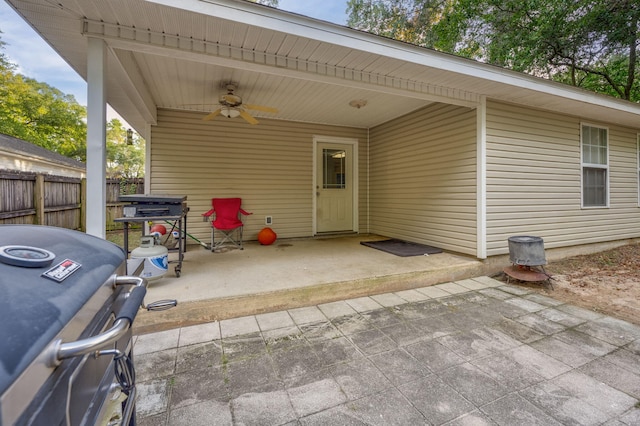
(231, 106)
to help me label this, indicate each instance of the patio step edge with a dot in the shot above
(203, 311)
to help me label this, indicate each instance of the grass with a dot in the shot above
(117, 237)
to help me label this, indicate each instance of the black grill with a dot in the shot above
(66, 339)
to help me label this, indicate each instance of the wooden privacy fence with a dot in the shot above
(115, 188)
(36, 198)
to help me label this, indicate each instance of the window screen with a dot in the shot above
(595, 166)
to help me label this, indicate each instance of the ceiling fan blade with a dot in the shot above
(212, 115)
(248, 117)
(260, 108)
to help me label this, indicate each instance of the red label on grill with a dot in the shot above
(62, 270)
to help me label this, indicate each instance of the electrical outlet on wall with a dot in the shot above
(268, 220)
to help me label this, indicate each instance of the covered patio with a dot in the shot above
(422, 146)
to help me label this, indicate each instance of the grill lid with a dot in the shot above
(36, 305)
(153, 199)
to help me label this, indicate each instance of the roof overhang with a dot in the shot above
(177, 53)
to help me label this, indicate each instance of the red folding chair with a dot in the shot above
(227, 220)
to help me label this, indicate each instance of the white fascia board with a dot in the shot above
(7, 154)
(302, 26)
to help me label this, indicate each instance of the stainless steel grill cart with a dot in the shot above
(158, 209)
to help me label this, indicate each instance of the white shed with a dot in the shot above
(19, 155)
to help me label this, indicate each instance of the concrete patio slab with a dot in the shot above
(467, 358)
(296, 273)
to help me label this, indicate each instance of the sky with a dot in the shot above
(35, 59)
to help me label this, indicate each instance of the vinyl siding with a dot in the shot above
(268, 165)
(423, 178)
(534, 181)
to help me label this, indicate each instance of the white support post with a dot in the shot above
(481, 178)
(147, 169)
(96, 138)
(147, 159)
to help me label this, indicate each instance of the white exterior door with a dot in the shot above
(334, 186)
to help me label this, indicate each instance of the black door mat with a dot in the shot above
(402, 248)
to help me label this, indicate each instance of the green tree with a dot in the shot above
(125, 154)
(587, 43)
(4, 62)
(272, 3)
(407, 20)
(41, 114)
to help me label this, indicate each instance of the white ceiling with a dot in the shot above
(196, 86)
(161, 56)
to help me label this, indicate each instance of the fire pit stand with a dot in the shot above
(526, 254)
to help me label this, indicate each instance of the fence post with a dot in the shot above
(83, 204)
(38, 199)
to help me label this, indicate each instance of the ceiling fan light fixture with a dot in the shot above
(230, 112)
(358, 103)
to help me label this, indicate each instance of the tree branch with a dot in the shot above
(588, 70)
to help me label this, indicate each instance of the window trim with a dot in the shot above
(584, 165)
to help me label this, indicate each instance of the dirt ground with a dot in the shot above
(607, 282)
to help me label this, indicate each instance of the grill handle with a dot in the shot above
(59, 351)
(162, 305)
(132, 304)
(159, 305)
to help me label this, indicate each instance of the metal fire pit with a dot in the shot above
(527, 256)
(527, 251)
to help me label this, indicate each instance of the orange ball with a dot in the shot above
(267, 236)
(158, 228)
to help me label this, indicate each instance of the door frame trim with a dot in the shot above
(354, 165)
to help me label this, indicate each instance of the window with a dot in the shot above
(333, 168)
(595, 166)
(638, 163)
